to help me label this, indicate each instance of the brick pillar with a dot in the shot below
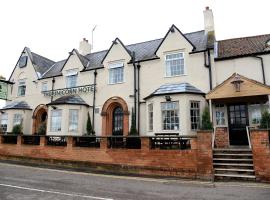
(193, 143)
(103, 143)
(204, 155)
(222, 137)
(1, 139)
(145, 143)
(43, 141)
(19, 140)
(70, 142)
(261, 154)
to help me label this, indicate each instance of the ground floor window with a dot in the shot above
(17, 119)
(220, 114)
(73, 120)
(255, 113)
(170, 115)
(56, 118)
(4, 122)
(150, 117)
(195, 115)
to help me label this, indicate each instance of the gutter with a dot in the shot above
(138, 67)
(262, 65)
(135, 88)
(209, 66)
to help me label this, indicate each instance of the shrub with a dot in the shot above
(265, 120)
(89, 128)
(42, 129)
(206, 122)
(17, 129)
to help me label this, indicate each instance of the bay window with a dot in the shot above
(56, 119)
(73, 120)
(4, 122)
(175, 64)
(195, 115)
(150, 117)
(170, 115)
(116, 73)
(17, 119)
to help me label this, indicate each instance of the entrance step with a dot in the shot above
(233, 164)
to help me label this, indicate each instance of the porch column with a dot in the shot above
(210, 110)
(269, 101)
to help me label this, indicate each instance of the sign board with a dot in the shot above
(3, 90)
(69, 91)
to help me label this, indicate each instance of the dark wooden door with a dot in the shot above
(238, 120)
(117, 121)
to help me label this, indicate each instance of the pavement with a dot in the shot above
(18, 182)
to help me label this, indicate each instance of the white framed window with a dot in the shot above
(220, 114)
(71, 78)
(170, 115)
(195, 115)
(116, 73)
(73, 120)
(255, 113)
(175, 64)
(44, 86)
(4, 122)
(22, 87)
(56, 119)
(17, 119)
(150, 117)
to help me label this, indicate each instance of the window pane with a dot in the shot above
(73, 120)
(195, 115)
(71, 81)
(170, 118)
(56, 119)
(174, 64)
(17, 119)
(21, 87)
(4, 122)
(150, 117)
(116, 75)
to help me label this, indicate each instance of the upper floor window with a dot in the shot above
(73, 120)
(195, 115)
(150, 117)
(17, 120)
(4, 122)
(56, 119)
(44, 86)
(170, 115)
(22, 61)
(175, 64)
(116, 73)
(21, 87)
(71, 78)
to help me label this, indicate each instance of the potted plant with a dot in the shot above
(42, 129)
(265, 120)
(17, 129)
(206, 122)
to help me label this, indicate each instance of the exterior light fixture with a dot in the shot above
(237, 83)
(2, 111)
(172, 30)
(168, 98)
(54, 107)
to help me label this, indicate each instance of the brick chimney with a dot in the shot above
(85, 47)
(208, 20)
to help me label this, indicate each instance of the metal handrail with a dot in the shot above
(248, 136)
(214, 137)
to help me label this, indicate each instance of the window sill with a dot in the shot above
(175, 76)
(116, 83)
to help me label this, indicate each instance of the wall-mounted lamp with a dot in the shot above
(3, 112)
(54, 107)
(168, 98)
(172, 30)
(237, 83)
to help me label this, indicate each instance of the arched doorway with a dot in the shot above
(39, 118)
(115, 117)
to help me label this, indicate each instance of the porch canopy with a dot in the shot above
(238, 88)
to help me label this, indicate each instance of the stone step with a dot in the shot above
(233, 160)
(234, 171)
(235, 177)
(233, 156)
(233, 166)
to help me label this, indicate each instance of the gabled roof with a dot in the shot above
(175, 88)
(248, 87)
(244, 46)
(72, 100)
(18, 105)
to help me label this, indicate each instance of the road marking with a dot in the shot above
(54, 192)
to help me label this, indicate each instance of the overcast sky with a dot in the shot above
(52, 28)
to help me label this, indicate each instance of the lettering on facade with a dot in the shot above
(69, 91)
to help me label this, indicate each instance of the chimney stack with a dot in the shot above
(85, 47)
(208, 20)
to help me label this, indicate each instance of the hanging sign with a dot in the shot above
(69, 91)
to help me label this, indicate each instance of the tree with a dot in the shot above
(89, 128)
(17, 129)
(265, 120)
(206, 122)
(133, 130)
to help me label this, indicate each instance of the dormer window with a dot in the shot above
(116, 73)
(175, 65)
(22, 61)
(71, 78)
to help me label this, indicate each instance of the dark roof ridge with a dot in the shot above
(252, 36)
(43, 57)
(194, 32)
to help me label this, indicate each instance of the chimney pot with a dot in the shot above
(85, 47)
(207, 8)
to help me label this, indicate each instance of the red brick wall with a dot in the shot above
(192, 163)
(261, 154)
(222, 137)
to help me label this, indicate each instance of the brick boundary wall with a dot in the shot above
(191, 163)
(261, 154)
(222, 137)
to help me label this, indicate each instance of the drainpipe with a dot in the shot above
(138, 67)
(94, 101)
(135, 89)
(262, 64)
(53, 81)
(210, 68)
